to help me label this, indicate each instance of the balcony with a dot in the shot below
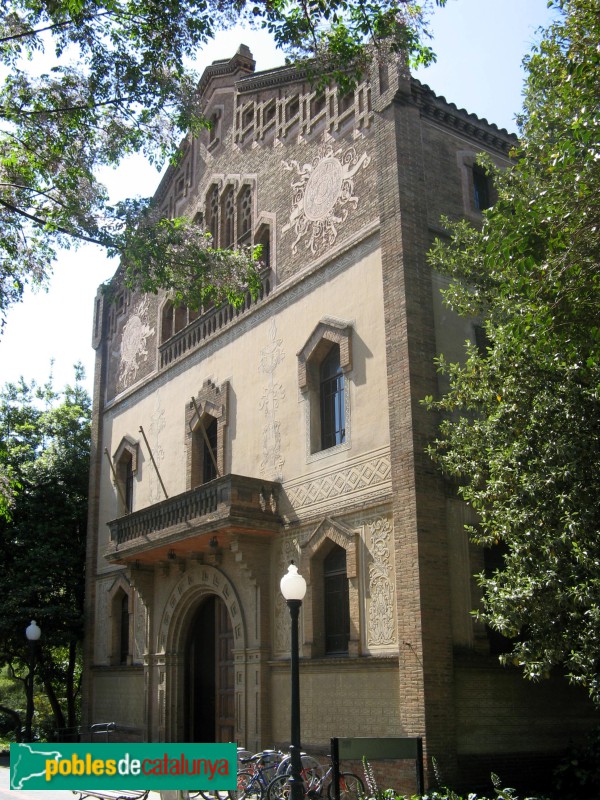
(185, 524)
(209, 323)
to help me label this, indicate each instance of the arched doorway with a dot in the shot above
(209, 690)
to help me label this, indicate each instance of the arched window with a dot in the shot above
(125, 468)
(212, 213)
(331, 400)
(204, 456)
(206, 425)
(481, 188)
(121, 606)
(228, 238)
(125, 479)
(167, 322)
(124, 630)
(245, 216)
(336, 602)
(264, 238)
(323, 367)
(209, 450)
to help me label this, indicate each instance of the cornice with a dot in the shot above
(438, 109)
(272, 78)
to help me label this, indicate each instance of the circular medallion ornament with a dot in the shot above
(323, 195)
(323, 189)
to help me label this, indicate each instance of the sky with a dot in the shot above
(479, 44)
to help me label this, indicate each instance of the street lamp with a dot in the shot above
(293, 588)
(33, 633)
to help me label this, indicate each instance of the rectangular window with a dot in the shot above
(124, 630)
(129, 488)
(331, 399)
(332, 412)
(336, 602)
(481, 189)
(209, 452)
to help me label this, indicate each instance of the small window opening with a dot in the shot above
(346, 102)
(331, 383)
(269, 113)
(129, 486)
(336, 602)
(209, 470)
(214, 127)
(124, 630)
(228, 221)
(318, 104)
(293, 109)
(248, 115)
(125, 479)
(205, 440)
(264, 239)
(212, 214)
(481, 188)
(245, 216)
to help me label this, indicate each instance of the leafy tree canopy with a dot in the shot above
(522, 429)
(44, 450)
(117, 82)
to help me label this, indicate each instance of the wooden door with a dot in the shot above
(210, 697)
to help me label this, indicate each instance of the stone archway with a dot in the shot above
(200, 586)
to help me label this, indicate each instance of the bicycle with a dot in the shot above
(351, 786)
(243, 757)
(254, 783)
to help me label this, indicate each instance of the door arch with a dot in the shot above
(209, 674)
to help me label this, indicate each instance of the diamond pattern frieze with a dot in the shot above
(351, 479)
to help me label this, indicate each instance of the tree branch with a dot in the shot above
(8, 112)
(36, 31)
(43, 223)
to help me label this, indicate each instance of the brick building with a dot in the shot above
(228, 442)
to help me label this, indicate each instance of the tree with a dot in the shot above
(521, 434)
(45, 445)
(118, 83)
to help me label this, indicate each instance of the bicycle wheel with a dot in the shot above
(220, 794)
(351, 787)
(248, 786)
(312, 770)
(279, 788)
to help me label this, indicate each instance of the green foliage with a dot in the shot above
(577, 777)
(178, 254)
(12, 706)
(116, 83)
(445, 793)
(521, 434)
(45, 444)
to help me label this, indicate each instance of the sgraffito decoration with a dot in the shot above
(381, 610)
(157, 425)
(271, 356)
(322, 195)
(133, 343)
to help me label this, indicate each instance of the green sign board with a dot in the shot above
(123, 766)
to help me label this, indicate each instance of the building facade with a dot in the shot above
(228, 442)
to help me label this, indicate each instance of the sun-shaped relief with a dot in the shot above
(133, 343)
(322, 195)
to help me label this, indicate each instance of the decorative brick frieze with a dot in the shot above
(368, 477)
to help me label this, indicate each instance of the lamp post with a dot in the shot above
(293, 588)
(33, 633)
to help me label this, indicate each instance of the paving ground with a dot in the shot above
(6, 793)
